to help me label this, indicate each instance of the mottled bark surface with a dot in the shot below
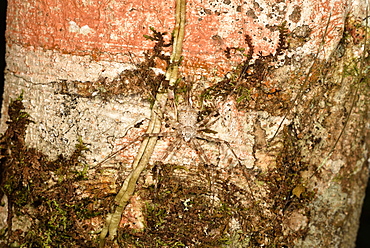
(285, 84)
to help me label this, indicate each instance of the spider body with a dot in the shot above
(187, 122)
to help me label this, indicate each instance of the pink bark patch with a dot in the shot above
(110, 29)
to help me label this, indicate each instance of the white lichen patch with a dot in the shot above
(85, 30)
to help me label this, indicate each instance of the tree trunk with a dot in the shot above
(279, 109)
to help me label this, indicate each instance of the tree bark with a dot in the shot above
(281, 88)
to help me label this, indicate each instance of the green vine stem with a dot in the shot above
(147, 146)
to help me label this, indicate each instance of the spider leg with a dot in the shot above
(130, 143)
(219, 141)
(116, 152)
(171, 148)
(171, 119)
(205, 122)
(163, 134)
(197, 147)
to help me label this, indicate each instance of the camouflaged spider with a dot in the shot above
(187, 128)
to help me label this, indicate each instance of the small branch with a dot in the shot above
(147, 147)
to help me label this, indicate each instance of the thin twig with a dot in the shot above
(148, 144)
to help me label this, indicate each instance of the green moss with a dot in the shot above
(246, 83)
(57, 212)
(181, 214)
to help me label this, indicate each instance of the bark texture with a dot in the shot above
(284, 84)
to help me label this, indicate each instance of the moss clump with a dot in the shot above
(140, 80)
(247, 83)
(203, 208)
(42, 193)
